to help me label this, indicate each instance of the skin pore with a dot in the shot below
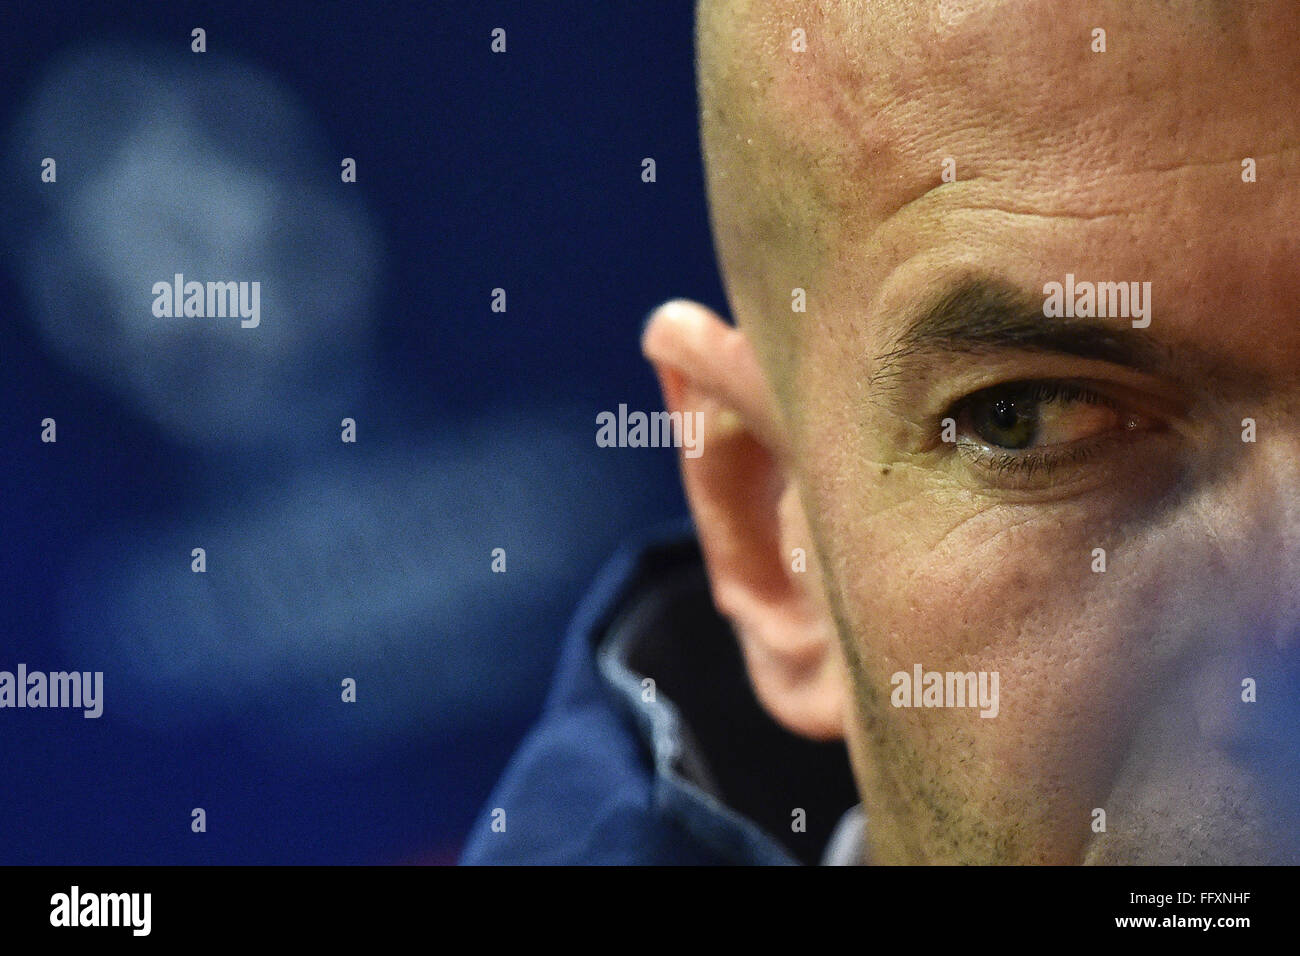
(1120, 690)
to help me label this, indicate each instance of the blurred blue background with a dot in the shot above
(325, 560)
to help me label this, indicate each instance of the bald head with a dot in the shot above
(821, 120)
(1082, 504)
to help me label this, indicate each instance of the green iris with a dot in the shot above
(1006, 419)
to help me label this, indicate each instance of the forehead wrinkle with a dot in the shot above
(884, 82)
(882, 108)
(811, 153)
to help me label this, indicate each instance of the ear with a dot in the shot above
(750, 519)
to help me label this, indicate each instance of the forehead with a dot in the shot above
(826, 165)
(1014, 88)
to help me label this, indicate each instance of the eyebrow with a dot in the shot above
(982, 314)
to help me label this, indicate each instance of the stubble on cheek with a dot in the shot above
(914, 767)
(1110, 685)
(914, 581)
(1209, 779)
(1179, 804)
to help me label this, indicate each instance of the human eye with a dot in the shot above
(1030, 430)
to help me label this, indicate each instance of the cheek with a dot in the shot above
(956, 584)
(953, 591)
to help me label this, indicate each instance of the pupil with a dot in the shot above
(1004, 413)
(1009, 420)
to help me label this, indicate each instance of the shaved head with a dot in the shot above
(808, 136)
(1096, 505)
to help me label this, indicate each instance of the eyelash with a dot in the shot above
(1033, 463)
(1028, 464)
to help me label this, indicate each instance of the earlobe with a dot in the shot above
(745, 502)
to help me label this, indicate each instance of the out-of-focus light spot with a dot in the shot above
(215, 173)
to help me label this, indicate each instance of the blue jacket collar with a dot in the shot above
(662, 599)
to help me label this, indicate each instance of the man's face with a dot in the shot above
(1119, 690)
